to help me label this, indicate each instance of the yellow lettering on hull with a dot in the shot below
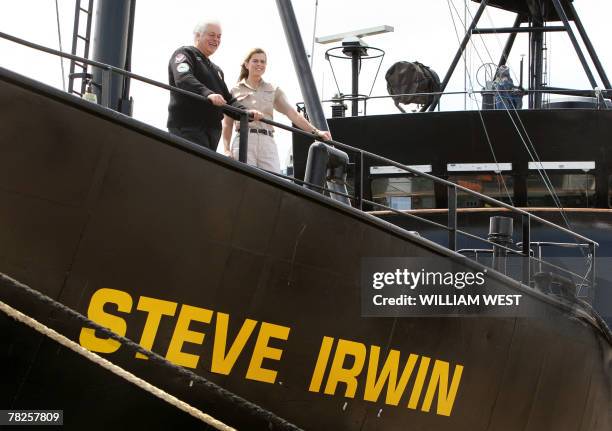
(344, 367)
(95, 312)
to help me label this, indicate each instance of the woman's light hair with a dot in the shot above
(201, 26)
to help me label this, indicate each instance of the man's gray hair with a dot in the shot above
(201, 26)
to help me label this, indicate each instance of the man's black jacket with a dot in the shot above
(191, 70)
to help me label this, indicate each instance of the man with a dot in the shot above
(507, 96)
(190, 69)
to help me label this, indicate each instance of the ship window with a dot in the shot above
(403, 193)
(574, 190)
(500, 187)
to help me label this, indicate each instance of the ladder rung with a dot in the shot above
(78, 93)
(86, 7)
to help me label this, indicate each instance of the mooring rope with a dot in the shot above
(275, 422)
(115, 369)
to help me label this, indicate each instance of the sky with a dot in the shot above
(425, 30)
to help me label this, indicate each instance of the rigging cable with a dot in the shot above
(534, 156)
(59, 37)
(376, 76)
(527, 142)
(333, 74)
(543, 174)
(469, 76)
(530, 147)
(465, 56)
(531, 151)
(314, 32)
(552, 192)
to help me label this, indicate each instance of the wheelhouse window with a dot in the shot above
(400, 190)
(407, 192)
(571, 183)
(489, 179)
(575, 190)
(495, 185)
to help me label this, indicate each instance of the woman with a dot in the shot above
(255, 93)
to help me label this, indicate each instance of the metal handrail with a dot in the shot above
(539, 259)
(558, 244)
(450, 184)
(526, 217)
(456, 93)
(599, 94)
(291, 129)
(602, 101)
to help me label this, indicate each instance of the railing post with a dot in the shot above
(526, 248)
(244, 138)
(106, 83)
(358, 179)
(592, 278)
(500, 234)
(452, 218)
(327, 165)
(355, 67)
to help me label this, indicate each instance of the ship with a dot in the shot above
(240, 294)
(550, 158)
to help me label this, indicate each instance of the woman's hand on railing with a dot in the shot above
(228, 153)
(255, 114)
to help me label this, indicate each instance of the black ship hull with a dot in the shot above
(122, 222)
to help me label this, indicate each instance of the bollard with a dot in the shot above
(326, 163)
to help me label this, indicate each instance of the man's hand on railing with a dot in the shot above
(216, 99)
(255, 114)
(324, 134)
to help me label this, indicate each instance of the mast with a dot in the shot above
(302, 68)
(113, 45)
